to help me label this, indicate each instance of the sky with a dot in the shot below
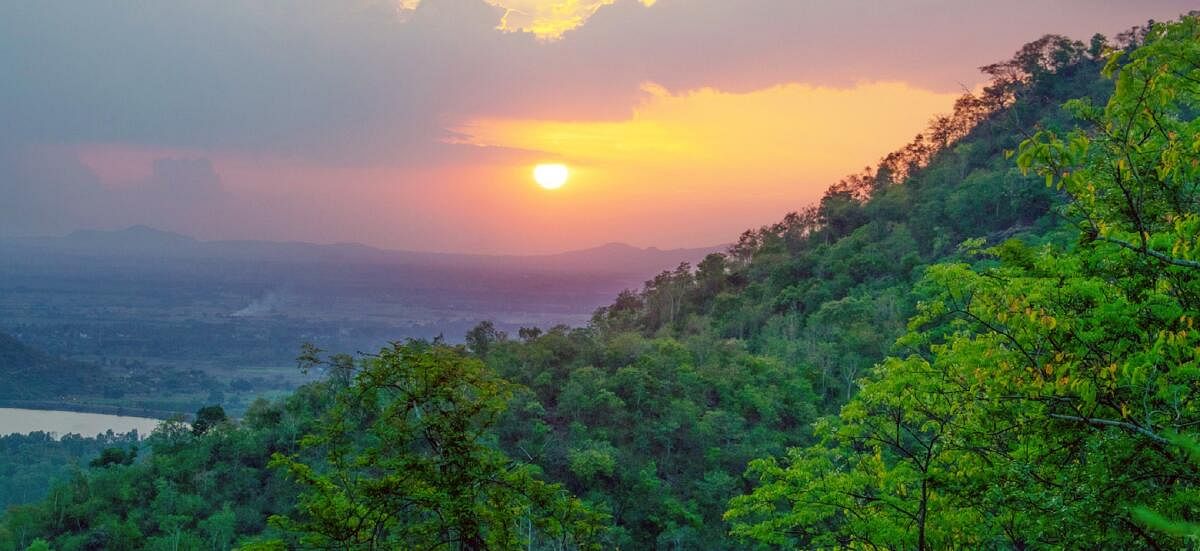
(416, 124)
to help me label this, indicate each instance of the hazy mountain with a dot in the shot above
(143, 241)
(151, 295)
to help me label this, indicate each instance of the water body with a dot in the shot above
(24, 421)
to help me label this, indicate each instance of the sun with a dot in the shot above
(551, 176)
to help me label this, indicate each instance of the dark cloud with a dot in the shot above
(49, 191)
(184, 180)
(363, 83)
(45, 193)
(363, 80)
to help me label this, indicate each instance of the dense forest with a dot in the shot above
(33, 378)
(32, 374)
(30, 463)
(986, 341)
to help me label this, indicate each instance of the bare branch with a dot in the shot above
(1151, 252)
(1113, 423)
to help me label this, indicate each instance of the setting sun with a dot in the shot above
(550, 176)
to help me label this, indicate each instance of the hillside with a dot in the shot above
(33, 379)
(945, 352)
(657, 407)
(30, 374)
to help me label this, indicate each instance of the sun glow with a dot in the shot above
(551, 176)
(791, 140)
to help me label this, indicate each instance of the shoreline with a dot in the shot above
(102, 409)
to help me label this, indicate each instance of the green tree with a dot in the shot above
(1049, 391)
(207, 418)
(481, 337)
(115, 456)
(409, 463)
(1133, 185)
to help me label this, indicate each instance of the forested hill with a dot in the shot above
(32, 374)
(830, 287)
(32, 378)
(1041, 396)
(656, 407)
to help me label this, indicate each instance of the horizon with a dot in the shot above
(421, 125)
(147, 228)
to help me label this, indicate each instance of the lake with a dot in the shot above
(63, 422)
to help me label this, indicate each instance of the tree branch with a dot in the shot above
(1113, 423)
(1151, 252)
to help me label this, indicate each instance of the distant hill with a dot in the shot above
(171, 300)
(142, 241)
(133, 238)
(31, 374)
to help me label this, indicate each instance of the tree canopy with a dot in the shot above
(1047, 394)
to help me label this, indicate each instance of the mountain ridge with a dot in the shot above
(142, 240)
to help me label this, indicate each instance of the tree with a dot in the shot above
(115, 456)
(409, 464)
(481, 337)
(207, 418)
(1133, 184)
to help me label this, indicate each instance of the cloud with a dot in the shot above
(820, 132)
(545, 19)
(52, 190)
(699, 166)
(426, 113)
(549, 19)
(183, 180)
(46, 193)
(373, 81)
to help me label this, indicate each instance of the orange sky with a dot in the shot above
(747, 158)
(415, 124)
